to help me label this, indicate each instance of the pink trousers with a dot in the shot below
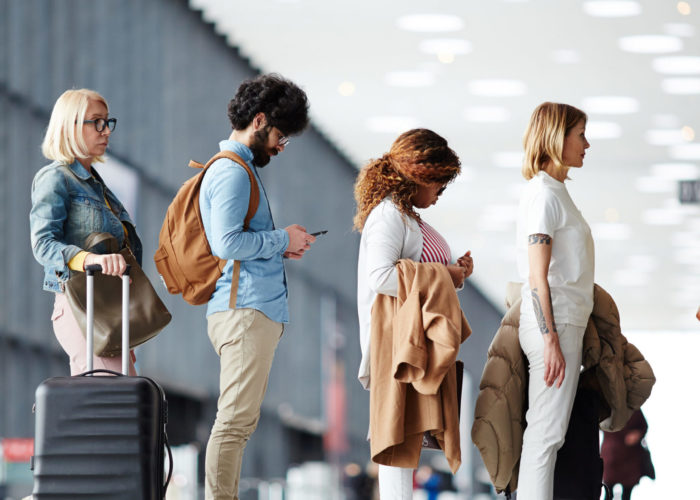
(71, 338)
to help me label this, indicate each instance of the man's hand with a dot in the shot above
(457, 273)
(113, 264)
(554, 363)
(697, 314)
(299, 241)
(467, 263)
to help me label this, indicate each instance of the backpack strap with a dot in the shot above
(252, 208)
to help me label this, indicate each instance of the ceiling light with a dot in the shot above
(610, 105)
(664, 137)
(619, 8)
(611, 215)
(677, 65)
(650, 44)
(446, 58)
(430, 23)
(682, 86)
(487, 114)
(391, 124)
(445, 46)
(497, 87)
(679, 29)
(508, 159)
(346, 89)
(655, 185)
(685, 151)
(662, 217)
(603, 130)
(409, 79)
(683, 8)
(675, 171)
(688, 133)
(566, 56)
(609, 231)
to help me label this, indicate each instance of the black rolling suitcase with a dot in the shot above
(103, 437)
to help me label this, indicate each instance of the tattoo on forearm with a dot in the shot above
(539, 313)
(539, 239)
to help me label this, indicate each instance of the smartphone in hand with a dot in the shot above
(318, 233)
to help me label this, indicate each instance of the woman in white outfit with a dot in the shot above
(555, 258)
(388, 191)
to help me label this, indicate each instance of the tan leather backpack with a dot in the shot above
(183, 258)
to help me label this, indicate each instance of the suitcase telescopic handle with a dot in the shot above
(90, 315)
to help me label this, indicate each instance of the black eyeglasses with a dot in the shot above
(101, 123)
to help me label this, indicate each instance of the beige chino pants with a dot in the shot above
(245, 340)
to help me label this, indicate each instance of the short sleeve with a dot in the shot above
(544, 215)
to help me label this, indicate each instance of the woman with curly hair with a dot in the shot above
(412, 175)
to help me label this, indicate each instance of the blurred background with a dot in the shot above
(472, 70)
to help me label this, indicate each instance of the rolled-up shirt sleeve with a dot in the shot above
(229, 196)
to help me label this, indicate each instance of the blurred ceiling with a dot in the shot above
(473, 71)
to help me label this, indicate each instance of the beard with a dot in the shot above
(261, 153)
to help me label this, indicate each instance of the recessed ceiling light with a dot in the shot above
(445, 46)
(666, 120)
(346, 89)
(391, 124)
(683, 8)
(685, 151)
(497, 87)
(566, 56)
(487, 114)
(610, 105)
(650, 44)
(681, 86)
(508, 159)
(603, 130)
(446, 58)
(675, 171)
(619, 8)
(655, 185)
(430, 23)
(610, 231)
(664, 137)
(688, 133)
(677, 65)
(611, 215)
(679, 29)
(409, 79)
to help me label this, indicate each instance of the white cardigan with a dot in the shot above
(387, 237)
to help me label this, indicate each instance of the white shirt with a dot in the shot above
(547, 208)
(387, 237)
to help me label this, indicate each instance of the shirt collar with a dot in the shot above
(549, 180)
(240, 149)
(81, 172)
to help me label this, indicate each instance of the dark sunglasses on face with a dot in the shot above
(441, 190)
(101, 123)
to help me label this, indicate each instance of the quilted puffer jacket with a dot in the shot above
(613, 366)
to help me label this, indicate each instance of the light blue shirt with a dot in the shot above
(223, 201)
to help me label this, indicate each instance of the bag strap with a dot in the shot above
(95, 239)
(252, 208)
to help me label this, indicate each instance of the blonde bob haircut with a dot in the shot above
(544, 137)
(64, 140)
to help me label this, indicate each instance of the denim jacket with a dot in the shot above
(67, 205)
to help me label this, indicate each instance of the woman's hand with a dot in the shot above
(467, 263)
(554, 364)
(113, 264)
(457, 273)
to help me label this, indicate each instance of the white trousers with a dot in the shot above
(549, 409)
(395, 483)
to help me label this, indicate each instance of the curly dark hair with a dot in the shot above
(285, 105)
(417, 157)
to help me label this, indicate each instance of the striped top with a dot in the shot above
(435, 248)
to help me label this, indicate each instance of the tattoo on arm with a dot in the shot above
(539, 239)
(539, 313)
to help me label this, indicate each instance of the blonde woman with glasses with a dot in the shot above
(69, 202)
(555, 259)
